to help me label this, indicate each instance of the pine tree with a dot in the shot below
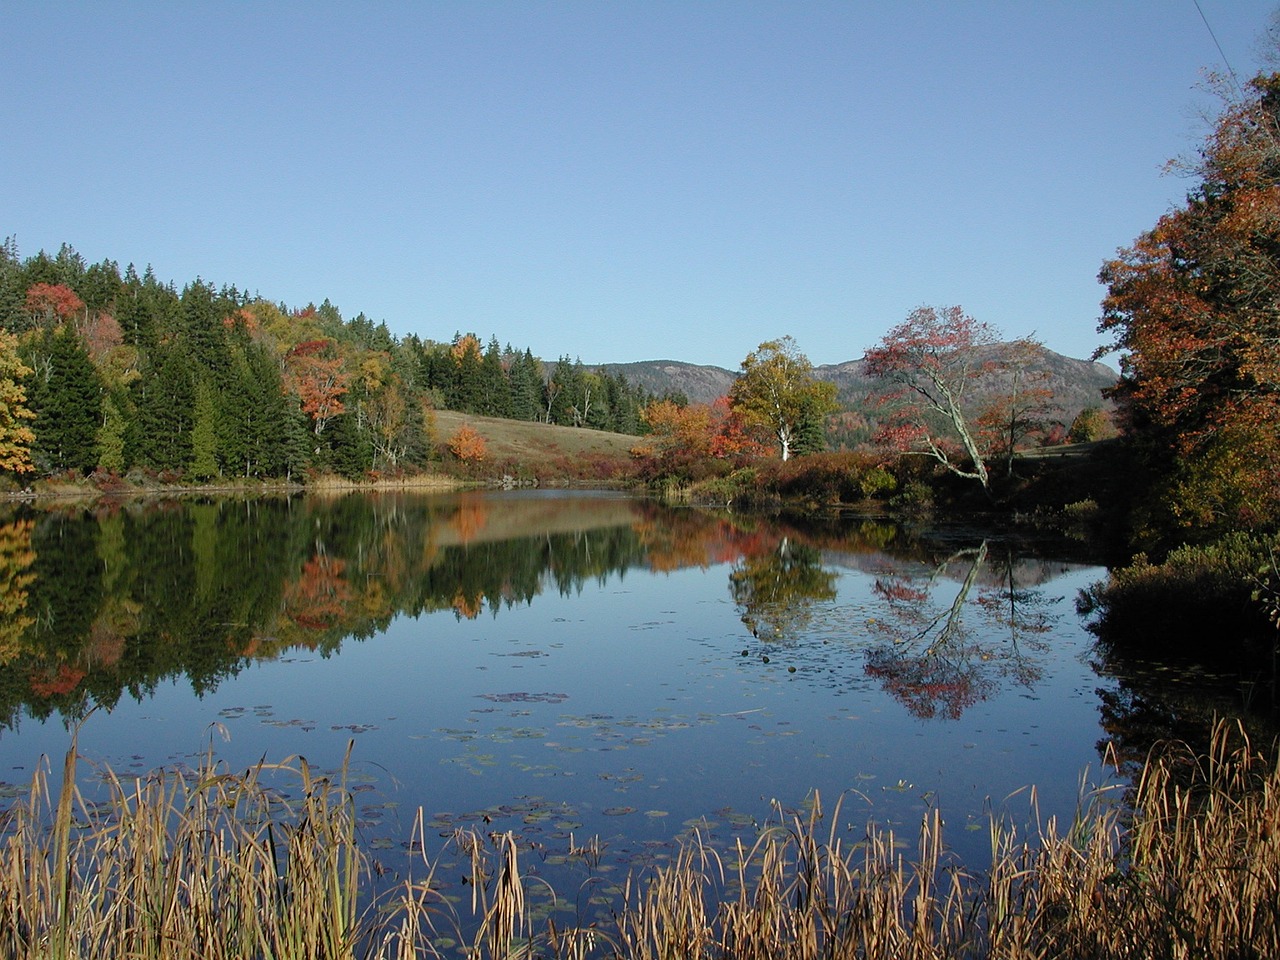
(166, 411)
(495, 388)
(526, 387)
(67, 400)
(111, 438)
(204, 433)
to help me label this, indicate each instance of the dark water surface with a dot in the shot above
(584, 664)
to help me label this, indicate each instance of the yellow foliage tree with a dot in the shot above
(15, 436)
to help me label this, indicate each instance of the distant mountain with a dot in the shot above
(1076, 384)
(701, 384)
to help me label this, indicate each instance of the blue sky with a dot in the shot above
(617, 181)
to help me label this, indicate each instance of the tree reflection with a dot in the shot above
(111, 601)
(776, 591)
(16, 576)
(934, 664)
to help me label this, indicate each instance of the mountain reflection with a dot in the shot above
(98, 603)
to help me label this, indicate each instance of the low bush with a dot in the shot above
(1200, 599)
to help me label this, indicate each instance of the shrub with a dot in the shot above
(1199, 600)
(877, 482)
(915, 497)
(467, 445)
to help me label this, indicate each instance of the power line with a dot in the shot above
(1221, 53)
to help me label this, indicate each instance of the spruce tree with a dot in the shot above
(67, 400)
(204, 433)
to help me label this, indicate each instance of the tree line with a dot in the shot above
(104, 370)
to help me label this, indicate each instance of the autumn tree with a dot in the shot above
(1022, 406)
(52, 303)
(16, 435)
(676, 433)
(467, 445)
(1193, 306)
(1090, 424)
(777, 389)
(314, 372)
(934, 362)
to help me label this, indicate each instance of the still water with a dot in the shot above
(571, 664)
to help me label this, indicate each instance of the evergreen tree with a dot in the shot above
(810, 435)
(99, 285)
(204, 334)
(467, 394)
(563, 392)
(111, 438)
(166, 411)
(495, 388)
(526, 387)
(350, 452)
(204, 433)
(12, 294)
(67, 401)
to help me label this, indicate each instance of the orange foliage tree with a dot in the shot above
(1194, 308)
(467, 445)
(314, 372)
(679, 434)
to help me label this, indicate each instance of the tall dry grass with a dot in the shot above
(212, 865)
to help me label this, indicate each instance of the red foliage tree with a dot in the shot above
(935, 359)
(51, 303)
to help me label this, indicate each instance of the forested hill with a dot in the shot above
(122, 372)
(1075, 384)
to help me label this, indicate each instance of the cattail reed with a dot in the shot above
(267, 863)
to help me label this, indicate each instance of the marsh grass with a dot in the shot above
(266, 864)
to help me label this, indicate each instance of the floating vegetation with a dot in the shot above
(521, 697)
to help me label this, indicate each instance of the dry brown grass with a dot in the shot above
(535, 443)
(212, 865)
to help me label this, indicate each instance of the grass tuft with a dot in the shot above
(265, 864)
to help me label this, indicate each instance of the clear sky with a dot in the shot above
(615, 180)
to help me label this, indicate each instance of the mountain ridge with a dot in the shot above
(1076, 384)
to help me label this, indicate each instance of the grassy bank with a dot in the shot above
(267, 863)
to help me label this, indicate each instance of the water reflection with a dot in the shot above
(105, 602)
(776, 589)
(931, 659)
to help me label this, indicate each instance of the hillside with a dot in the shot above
(533, 443)
(1076, 384)
(700, 383)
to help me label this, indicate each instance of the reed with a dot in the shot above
(266, 864)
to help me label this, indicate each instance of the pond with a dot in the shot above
(570, 665)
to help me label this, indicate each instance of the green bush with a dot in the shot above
(916, 497)
(1200, 599)
(877, 482)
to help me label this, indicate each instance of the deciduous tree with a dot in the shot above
(314, 372)
(1023, 405)
(934, 360)
(52, 303)
(777, 389)
(467, 445)
(16, 435)
(1193, 306)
